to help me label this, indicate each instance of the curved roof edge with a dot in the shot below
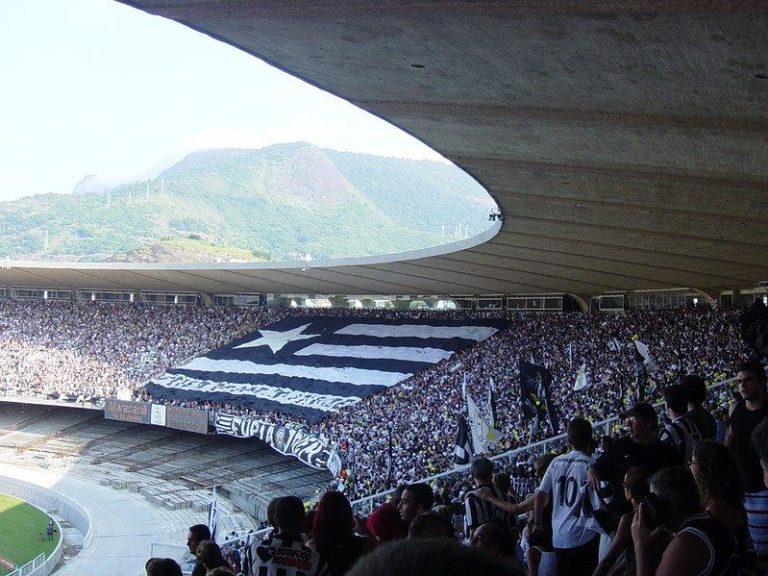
(441, 250)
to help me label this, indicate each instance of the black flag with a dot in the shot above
(535, 383)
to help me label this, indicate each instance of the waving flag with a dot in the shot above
(462, 452)
(309, 367)
(581, 378)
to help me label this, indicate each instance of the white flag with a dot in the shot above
(650, 363)
(581, 378)
(483, 434)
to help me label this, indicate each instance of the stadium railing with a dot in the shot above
(31, 568)
(366, 505)
(49, 500)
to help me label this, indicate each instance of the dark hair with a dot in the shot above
(432, 557)
(580, 434)
(289, 514)
(502, 482)
(542, 463)
(334, 522)
(696, 388)
(718, 474)
(756, 368)
(271, 510)
(162, 567)
(209, 553)
(482, 468)
(676, 488)
(201, 532)
(422, 495)
(676, 398)
(221, 571)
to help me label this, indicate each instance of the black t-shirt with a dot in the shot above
(614, 463)
(743, 422)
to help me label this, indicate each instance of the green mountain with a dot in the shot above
(276, 203)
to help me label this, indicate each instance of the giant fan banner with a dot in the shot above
(309, 367)
(289, 441)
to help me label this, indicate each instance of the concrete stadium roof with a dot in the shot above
(624, 141)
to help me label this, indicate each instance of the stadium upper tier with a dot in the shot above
(624, 142)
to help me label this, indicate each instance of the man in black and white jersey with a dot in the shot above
(565, 483)
(478, 511)
(681, 433)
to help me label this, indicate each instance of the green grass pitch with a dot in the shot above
(20, 528)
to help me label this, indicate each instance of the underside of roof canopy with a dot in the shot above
(624, 142)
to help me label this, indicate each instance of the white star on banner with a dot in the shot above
(276, 340)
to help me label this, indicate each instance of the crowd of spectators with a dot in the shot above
(91, 350)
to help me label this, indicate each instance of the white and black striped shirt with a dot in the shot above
(280, 556)
(683, 435)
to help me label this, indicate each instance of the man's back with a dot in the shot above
(566, 483)
(478, 511)
(683, 435)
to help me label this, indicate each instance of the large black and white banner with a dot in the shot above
(309, 367)
(289, 441)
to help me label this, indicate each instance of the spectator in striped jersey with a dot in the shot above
(479, 510)
(283, 553)
(681, 433)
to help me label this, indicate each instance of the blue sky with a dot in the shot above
(96, 87)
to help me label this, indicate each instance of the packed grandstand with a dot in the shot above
(87, 353)
(93, 351)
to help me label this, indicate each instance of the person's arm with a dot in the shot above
(730, 437)
(540, 501)
(524, 506)
(620, 542)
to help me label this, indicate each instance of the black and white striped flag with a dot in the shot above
(309, 367)
(462, 452)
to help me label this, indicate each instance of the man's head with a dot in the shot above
(760, 442)
(580, 434)
(162, 567)
(641, 420)
(752, 381)
(695, 387)
(494, 537)
(197, 534)
(289, 515)
(482, 470)
(677, 495)
(676, 399)
(416, 498)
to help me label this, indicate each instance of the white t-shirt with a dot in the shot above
(566, 481)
